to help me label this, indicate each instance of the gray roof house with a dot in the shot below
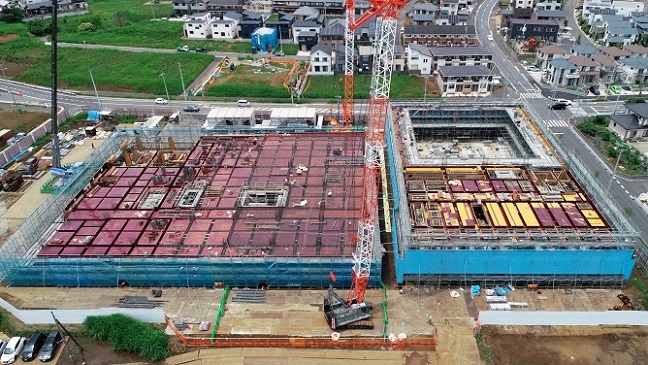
(633, 125)
(464, 80)
(584, 50)
(561, 72)
(635, 69)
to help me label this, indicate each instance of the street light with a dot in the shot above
(616, 165)
(13, 97)
(184, 91)
(162, 74)
(95, 89)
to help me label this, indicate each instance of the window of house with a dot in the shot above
(325, 69)
(222, 34)
(316, 59)
(191, 32)
(537, 29)
(317, 68)
(324, 59)
(425, 60)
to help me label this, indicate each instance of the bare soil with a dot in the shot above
(19, 120)
(567, 345)
(96, 353)
(245, 74)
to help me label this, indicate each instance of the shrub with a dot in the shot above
(588, 128)
(129, 335)
(86, 27)
(14, 15)
(606, 136)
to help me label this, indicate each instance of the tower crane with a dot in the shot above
(350, 312)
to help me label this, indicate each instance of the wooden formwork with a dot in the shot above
(424, 342)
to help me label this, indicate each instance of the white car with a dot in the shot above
(12, 350)
(533, 68)
(564, 101)
(161, 101)
(489, 37)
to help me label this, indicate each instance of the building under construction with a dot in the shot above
(481, 197)
(469, 195)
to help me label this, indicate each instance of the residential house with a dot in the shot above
(615, 52)
(522, 4)
(424, 9)
(188, 7)
(361, 6)
(250, 22)
(339, 60)
(460, 56)
(65, 7)
(365, 34)
(589, 5)
(220, 7)
(260, 6)
(637, 50)
(439, 35)
(199, 26)
(305, 26)
(324, 6)
(307, 40)
(423, 19)
(419, 59)
(640, 21)
(562, 73)
(588, 70)
(619, 33)
(632, 125)
(365, 59)
(544, 5)
(608, 68)
(558, 15)
(284, 25)
(584, 50)
(306, 13)
(447, 8)
(595, 19)
(626, 8)
(523, 29)
(321, 59)
(464, 80)
(545, 54)
(227, 26)
(400, 61)
(635, 70)
(333, 34)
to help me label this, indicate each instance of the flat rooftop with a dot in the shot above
(282, 195)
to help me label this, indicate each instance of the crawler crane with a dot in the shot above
(353, 312)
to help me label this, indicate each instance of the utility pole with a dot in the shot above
(165, 85)
(95, 89)
(13, 97)
(184, 91)
(616, 165)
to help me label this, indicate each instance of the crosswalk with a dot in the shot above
(535, 95)
(553, 123)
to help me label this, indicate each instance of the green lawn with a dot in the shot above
(402, 87)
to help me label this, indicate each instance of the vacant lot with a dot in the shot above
(252, 79)
(402, 87)
(19, 120)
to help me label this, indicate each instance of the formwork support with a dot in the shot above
(428, 342)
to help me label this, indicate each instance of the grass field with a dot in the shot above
(402, 87)
(244, 82)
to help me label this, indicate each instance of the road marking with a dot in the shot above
(535, 95)
(556, 123)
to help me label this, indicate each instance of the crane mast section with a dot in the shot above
(349, 53)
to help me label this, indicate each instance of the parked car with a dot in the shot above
(32, 346)
(626, 87)
(489, 37)
(243, 103)
(52, 342)
(594, 90)
(161, 101)
(12, 350)
(558, 106)
(191, 108)
(184, 48)
(202, 49)
(533, 68)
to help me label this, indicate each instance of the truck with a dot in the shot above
(202, 49)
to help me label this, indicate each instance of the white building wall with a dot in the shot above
(321, 63)
(225, 31)
(626, 8)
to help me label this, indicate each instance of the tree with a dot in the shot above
(14, 15)
(578, 39)
(39, 28)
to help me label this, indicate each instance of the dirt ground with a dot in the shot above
(95, 353)
(19, 120)
(246, 73)
(567, 345)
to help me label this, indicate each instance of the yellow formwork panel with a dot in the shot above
(495, 213)
(422, 169)
(593, 218)
(466, 215)
(527, 214)
(512, 214)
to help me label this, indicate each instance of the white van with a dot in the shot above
(243, 103)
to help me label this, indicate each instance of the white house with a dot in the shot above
(589, 5)
(548, 5)
(198, 26)
(635, 69)
(522, 4)
(419, 59)
(545, 54)
(305, 26)
(321, 60)
(626, 8)
(464, 80)
(225, 28)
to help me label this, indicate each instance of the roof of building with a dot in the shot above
(464, 71)
(627, 121)
(603, 59)
(233, 15)
(637, 62)
(306, 33)
(530, 22)
(458, 51)
(553, 49)
(640, 109)
(398, 49)
(306, 11)
(321, 47)
(616, 40)
(425, 6)
(636, 49)
(585, 49)
(420, 49)
(558, 14)
(423, 17)
(250, 15)
(615, 52)
(624, 29)
(223, 2)
(333, 30)
(583, 61)
(433, 29)
(605, 11)
(562, 64)
(306, 23)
